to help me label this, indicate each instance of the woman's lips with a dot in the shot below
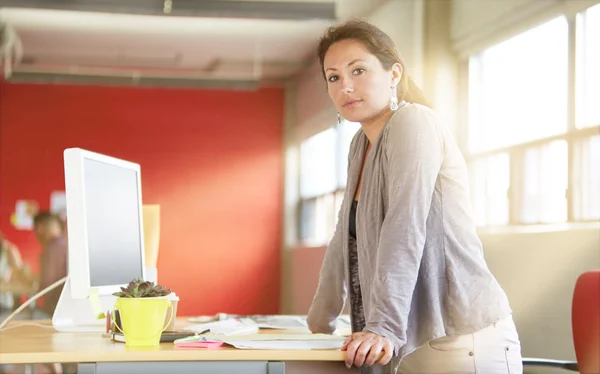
(352, 103)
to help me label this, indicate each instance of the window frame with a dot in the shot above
(516, 152)
(337, 192)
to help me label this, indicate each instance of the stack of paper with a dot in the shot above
(251, 324)
(285, 341)
(226, 327)
(280, 322)
(286, 344)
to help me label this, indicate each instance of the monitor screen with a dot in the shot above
(113, 223)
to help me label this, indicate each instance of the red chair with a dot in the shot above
(585, 322)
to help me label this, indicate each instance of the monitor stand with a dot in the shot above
(78, 315)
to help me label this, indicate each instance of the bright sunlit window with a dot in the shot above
(317, 164)
(519, 88)
(588, 67)
(346, 132)
(531, 159)
(490, 181)
(323, 176)
(545, 175)
(587, 179)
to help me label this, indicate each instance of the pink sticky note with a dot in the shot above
(199, 344)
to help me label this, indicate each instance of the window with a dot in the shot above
(317, 164)
(521, 88)
(586, 179)
(490, 181)
(588, 67)
(532, 159)
(545, 176)
(346, 132)
(323, 175)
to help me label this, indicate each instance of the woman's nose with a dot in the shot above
(347, 86)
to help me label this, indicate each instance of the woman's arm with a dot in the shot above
(415, 154)
(19, 271)
(330, 297)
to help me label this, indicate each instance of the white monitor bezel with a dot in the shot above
(78, 253)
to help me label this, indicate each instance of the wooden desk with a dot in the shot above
(30, 344)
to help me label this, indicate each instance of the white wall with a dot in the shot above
(470, 17)
(538, 271)
(476, 22)
(440, 62)
(403, 21)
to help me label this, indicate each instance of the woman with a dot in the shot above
(405, 249)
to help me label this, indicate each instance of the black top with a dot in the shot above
(353, 218)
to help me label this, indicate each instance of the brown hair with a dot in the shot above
(45, 217)
(380, 45)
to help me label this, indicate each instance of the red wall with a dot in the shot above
(212, 159)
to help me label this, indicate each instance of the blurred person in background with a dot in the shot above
(50, 232)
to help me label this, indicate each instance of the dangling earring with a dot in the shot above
(339, 119)
(394, 100)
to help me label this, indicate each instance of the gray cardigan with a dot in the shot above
(421, 265)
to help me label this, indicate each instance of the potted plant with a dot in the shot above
(142, 309)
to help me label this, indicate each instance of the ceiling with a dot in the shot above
(226, 42)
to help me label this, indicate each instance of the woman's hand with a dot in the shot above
(366, 348)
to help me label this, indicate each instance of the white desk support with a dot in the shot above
(78, 315)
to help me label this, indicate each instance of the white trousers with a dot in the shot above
(493, 350)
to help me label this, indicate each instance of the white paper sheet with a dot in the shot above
(286, 344)
(276, 337)
(280, 322)
(226, 327)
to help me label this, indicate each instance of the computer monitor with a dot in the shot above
(105, 236)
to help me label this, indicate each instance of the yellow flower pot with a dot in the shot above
(142, 319)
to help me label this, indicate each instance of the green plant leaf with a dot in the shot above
(139, 288)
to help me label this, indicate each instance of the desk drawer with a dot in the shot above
(197, 367)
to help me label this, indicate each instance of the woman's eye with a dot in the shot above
(333, 78)
(359, 71)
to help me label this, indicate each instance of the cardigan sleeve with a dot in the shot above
(414, 157)
(331, 293)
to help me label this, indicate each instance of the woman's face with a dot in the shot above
(359, 86)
